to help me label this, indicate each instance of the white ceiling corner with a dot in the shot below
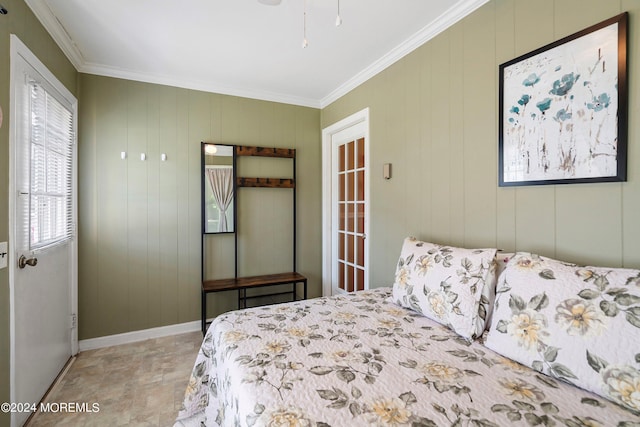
(56, 30)
(243, 48)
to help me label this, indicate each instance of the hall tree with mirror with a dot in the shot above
(221, 190)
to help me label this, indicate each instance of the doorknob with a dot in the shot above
(24, 261)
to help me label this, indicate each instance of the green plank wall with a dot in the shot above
(434, 116)
(139, 221)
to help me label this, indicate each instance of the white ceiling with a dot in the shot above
(243, 47)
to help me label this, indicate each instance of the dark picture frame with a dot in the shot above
(563, 110)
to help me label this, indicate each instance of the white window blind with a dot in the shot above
(51, 134)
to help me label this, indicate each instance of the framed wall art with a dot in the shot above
(563, 110)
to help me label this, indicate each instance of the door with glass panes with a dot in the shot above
(43, 272)
(350, 249)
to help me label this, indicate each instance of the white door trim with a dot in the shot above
(327, 226)
(19, 49)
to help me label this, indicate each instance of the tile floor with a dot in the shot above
(138, 384)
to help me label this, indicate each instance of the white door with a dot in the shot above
(43, 277)
(347, 208)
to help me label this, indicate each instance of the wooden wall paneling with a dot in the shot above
(154, 168)
(215, 120)
(266, 222)
(137, 206)
(526, 15)
(268, 129)
(169, 256)
(395, 149)
(254, 109)
(440, 133)
(571, 16)
(505, 196)
(198, 129)
(458, 174)
(230, 121)
(182, 201)
(413, 165)
(593, 238)
(389, 149)
(426, 143)
(88, 207)
(112, 171)
(307, 141)
(480, 128)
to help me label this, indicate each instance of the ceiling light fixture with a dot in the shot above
(305, 43)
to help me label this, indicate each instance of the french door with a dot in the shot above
(349, 207)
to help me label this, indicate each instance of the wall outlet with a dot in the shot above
(3, 254)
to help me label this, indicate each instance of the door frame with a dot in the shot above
(327, 193)
(19, 49)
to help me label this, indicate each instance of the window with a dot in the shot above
(43, 150)
(51, 139)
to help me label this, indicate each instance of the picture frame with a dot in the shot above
(563, 110)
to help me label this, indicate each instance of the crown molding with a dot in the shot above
(53, 26)
(444, 21)
(61, 37)
(102, 70)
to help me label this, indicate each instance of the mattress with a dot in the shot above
(360, 360)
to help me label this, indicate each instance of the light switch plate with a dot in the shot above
(3, 254)
(386, 171)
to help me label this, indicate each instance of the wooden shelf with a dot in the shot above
(252, 282)
(243, 150)
(241, 284)
(266, 182)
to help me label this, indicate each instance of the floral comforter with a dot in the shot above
(361, 360)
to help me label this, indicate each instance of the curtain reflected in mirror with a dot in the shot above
(219, 189)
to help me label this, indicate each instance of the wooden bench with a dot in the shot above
(241, 284)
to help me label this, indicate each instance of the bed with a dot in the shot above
(363, 359)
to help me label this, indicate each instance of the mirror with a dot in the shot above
(218, 188)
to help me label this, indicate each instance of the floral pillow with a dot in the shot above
(502, 258)
(489, 292)
(452, 286)
(578, 324)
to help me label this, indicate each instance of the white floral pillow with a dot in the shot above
(449, 285)
(578, 324)
(502, 258)
(489, 292)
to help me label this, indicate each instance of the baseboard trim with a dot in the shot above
(135, 336)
